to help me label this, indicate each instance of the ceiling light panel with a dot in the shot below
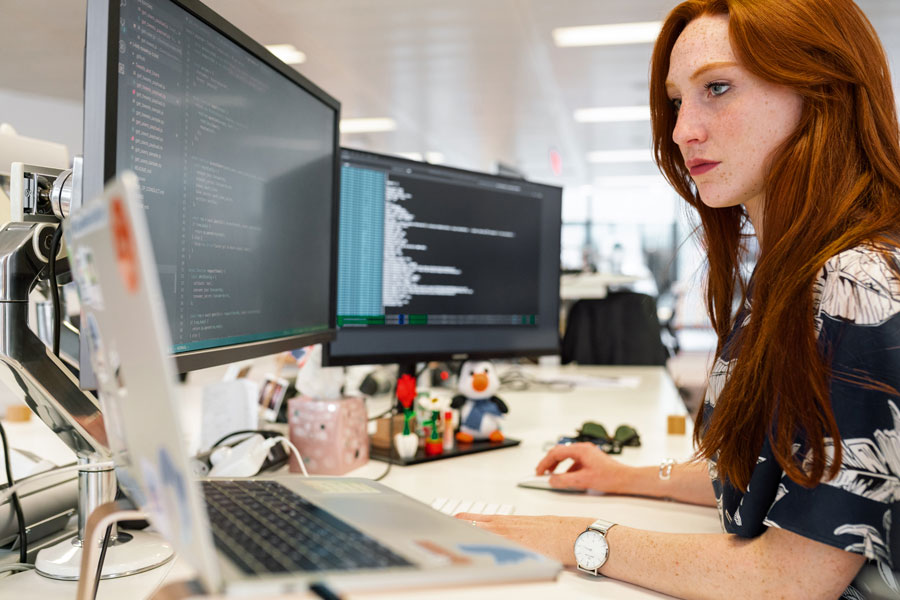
(287, 53)
(368, 125)
(607, 35)
(612, 114)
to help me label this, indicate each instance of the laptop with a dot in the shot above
(272, 534)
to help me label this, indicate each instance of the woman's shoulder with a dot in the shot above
(866, 262)
(860, 284)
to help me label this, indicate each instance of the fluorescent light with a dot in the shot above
(612, 114)
(607, 35)
(411, 155)
(287, 53)
(371, 125)
(620, 156)
(435, 158)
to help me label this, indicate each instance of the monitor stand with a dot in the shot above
(42, 381)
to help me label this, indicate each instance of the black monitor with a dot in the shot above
(436, 263)
(237, 157)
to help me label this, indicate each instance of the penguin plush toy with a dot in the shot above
(480, 410)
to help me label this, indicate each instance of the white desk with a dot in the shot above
(536, 417)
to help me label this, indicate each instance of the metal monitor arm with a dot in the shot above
(27, 367)
(31, 371)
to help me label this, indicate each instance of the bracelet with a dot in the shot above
(665, 469)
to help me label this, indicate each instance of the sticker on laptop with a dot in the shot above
(124, 244)
(502, 555)
(436, 555)
(95, 343)
(155, 506)
(87, 219)
(167, 498)
(86, 278)
(175, 488)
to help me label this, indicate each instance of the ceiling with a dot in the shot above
(479, 81)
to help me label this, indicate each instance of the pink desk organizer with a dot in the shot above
(330, 434)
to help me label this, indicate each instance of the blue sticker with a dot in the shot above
(502, 555)
(175, 487)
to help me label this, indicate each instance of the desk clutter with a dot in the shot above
(428, 428)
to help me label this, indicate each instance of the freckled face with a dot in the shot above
(729, 121)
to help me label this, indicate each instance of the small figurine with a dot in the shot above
(407, 442)
(448, 429)
(481, 411)
(434, 443)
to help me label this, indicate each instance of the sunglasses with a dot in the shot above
(625, 435)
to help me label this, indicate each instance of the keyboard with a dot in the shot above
(266, 528)
(452, 506)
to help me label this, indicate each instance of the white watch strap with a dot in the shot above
(602, 526)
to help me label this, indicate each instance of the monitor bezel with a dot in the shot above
(99, 150)
(329, 359)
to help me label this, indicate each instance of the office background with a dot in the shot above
(478, 84)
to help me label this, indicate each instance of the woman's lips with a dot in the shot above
(702, 168)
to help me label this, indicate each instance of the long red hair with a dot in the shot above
(833, 184)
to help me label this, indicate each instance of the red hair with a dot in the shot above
(835, 182)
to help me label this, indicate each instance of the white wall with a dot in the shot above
(45, 118)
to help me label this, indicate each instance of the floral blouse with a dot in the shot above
(857, 304)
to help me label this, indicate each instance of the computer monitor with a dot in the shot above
(437, 263)
(237, 158)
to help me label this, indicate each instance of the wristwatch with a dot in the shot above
(591, 547)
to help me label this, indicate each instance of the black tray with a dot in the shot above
(459, 449)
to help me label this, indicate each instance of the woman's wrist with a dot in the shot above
(646, 481)
(569, 528)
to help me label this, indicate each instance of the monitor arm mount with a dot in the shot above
(31, 371)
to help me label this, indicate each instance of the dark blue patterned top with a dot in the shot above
(857, 304)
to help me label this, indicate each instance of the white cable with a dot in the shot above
(293, 448)
(5, 495)
(16, 567)
(7, 570)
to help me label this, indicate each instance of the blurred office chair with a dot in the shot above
(621, 329)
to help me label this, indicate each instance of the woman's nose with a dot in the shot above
(689, 127)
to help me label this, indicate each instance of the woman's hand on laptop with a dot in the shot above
(591, 469)
(549, 535)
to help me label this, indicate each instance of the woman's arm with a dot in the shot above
(593, 469)
(777, 564)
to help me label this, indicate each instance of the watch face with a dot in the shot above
(591, 550)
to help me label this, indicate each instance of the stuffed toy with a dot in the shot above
(480, 410)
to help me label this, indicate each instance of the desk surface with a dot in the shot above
(537, 417)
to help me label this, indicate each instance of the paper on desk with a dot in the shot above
(595, 381)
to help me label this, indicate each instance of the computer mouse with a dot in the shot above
(542, 482)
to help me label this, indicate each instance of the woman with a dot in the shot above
(775, 114)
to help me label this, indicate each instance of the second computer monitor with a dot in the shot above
(439, 263)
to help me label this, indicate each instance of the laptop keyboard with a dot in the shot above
(266, 528)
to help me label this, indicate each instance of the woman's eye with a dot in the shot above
(717, 88)
(676, 102)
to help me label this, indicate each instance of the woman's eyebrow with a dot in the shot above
(703, 69)
(712, 65)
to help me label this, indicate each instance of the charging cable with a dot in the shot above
(246, 458)
(293, 448)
